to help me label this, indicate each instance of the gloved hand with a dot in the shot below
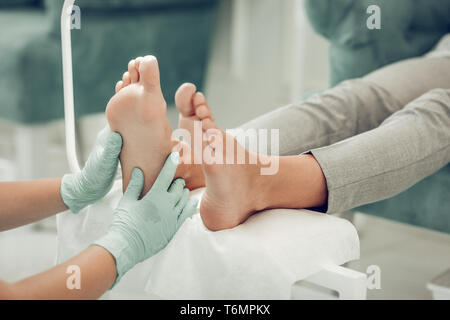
(79, 190)
(141, 228)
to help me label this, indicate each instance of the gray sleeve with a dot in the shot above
(407, 147)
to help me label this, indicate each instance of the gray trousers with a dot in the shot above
(373, 137)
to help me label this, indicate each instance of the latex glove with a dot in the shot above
(81, 189)
(142, 228)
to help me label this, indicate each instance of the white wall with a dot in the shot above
(270, 61)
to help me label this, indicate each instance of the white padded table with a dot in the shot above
(260, 259)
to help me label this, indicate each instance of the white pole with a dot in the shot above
(299, 51)
(240, 36)
(69, 112)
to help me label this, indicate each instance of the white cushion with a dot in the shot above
(260, 259)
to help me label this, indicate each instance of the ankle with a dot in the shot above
(189, 171)
(299, 183)
(192, 175)
(261, 187)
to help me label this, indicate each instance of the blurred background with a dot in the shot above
(247, 56)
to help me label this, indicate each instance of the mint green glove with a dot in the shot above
(81, 189)
(142, 228)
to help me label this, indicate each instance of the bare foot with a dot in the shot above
(192, 106)
(138, 112)
(233, 191)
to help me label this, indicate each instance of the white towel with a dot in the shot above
(260, 259)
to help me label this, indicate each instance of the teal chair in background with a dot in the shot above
(409, 28)
(112, 32)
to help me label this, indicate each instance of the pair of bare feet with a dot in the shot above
(138, 112)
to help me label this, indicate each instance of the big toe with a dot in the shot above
(184, 99)
(149, 73)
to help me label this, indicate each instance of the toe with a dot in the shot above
(126, 79)
(138, 61)
(208, 124)
(133, 72)
(183, 99)
(149, 73)
(202, 109)
(119, 85)
(199, 99)
(202, 112)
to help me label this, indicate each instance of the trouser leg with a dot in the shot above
(407, 147)
(354, 106)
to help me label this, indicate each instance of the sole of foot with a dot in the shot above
(138, 112)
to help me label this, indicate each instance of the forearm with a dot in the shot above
(29, 201)
(97, 273)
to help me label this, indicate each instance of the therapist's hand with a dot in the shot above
(95, 180)
(142, 228)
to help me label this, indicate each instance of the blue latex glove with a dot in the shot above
(142, 228)
(95, 180)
